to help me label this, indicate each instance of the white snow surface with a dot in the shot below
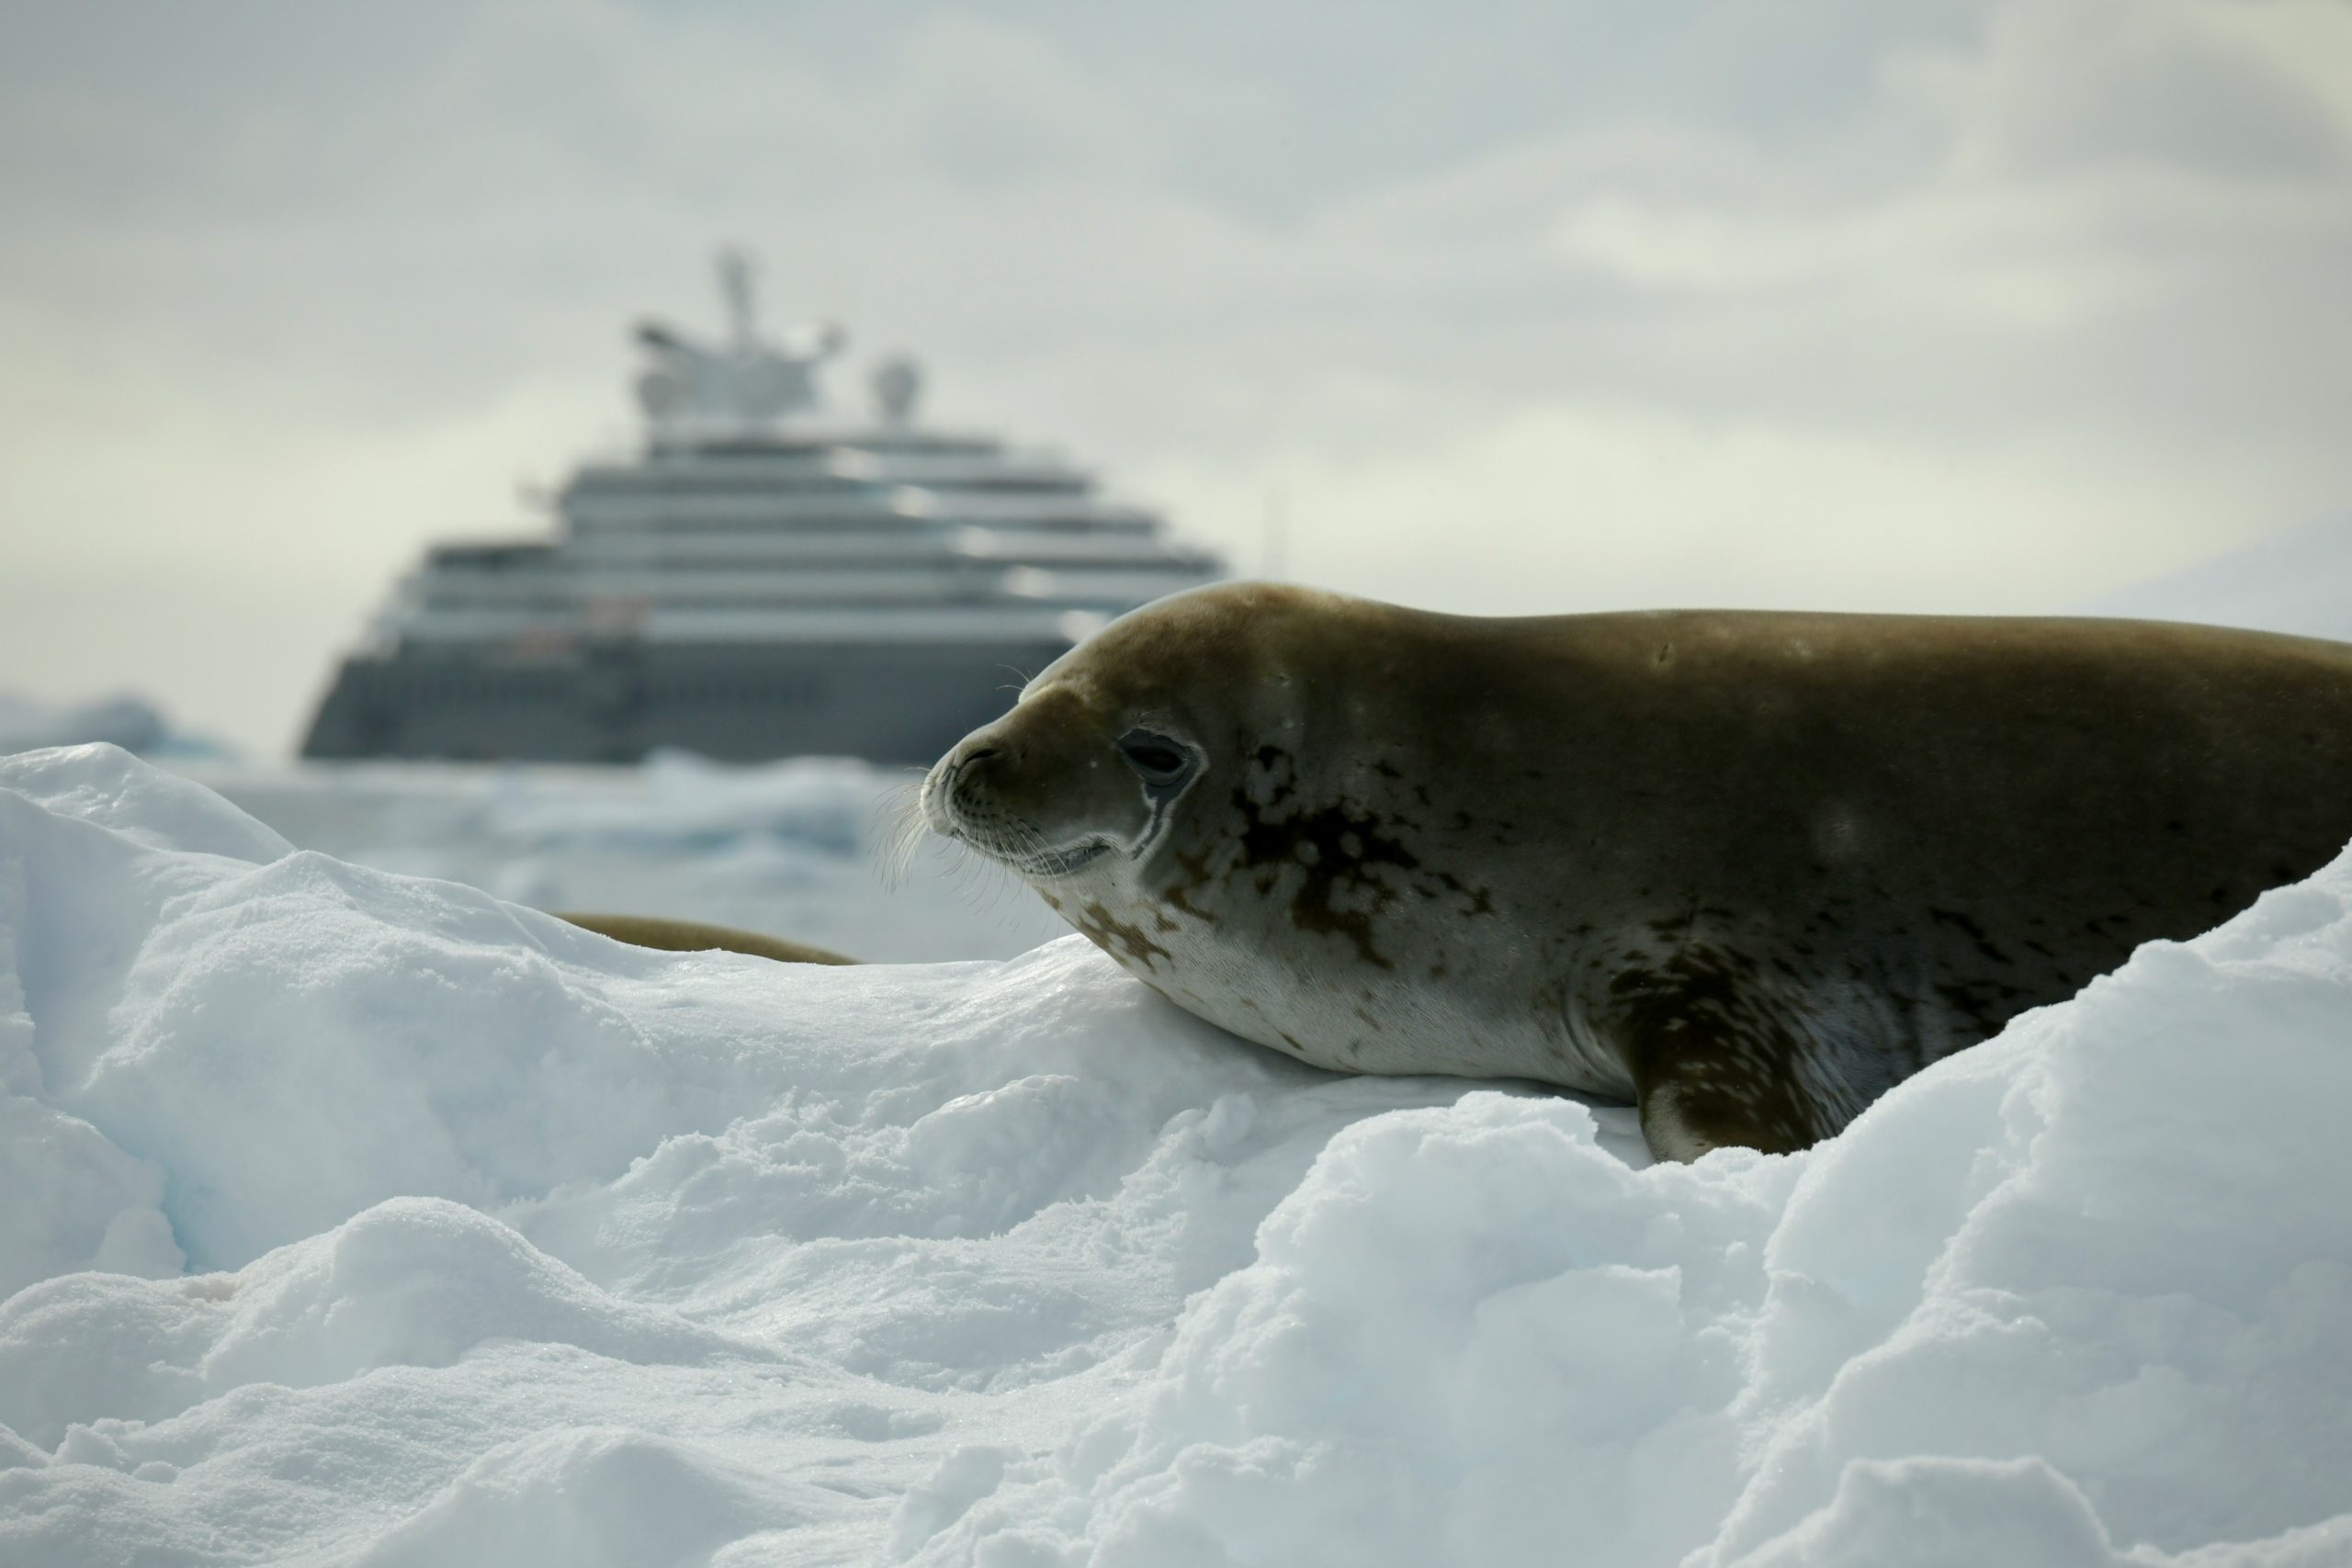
(795, 848)
(352, 1216)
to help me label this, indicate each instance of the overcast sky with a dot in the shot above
(1855, 303)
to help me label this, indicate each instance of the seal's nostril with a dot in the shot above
(975, 756)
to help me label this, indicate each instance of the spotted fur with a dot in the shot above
(1747, 870)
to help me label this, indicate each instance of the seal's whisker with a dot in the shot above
(986, 879)
(899, 832)
(982, 882)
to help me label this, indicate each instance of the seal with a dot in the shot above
(696, 936)
(1746, 870)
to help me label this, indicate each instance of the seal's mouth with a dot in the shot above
(1037, 865)
(1060, 861)
(1023, 850)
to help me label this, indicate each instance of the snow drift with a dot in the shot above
(359, 1217)
(791, 848)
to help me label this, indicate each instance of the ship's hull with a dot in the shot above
(614, 701)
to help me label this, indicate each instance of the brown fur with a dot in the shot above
(1750, 869)
(694, 936)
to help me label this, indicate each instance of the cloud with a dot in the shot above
(1582, 507)
(1978, 304)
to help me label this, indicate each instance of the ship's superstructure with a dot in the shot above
(758, 583)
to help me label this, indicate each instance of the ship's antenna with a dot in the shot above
(735, 284)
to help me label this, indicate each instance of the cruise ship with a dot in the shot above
(762, 579)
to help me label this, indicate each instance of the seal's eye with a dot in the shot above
(1158, 761)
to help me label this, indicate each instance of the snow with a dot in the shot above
(795, 849)
(356, 1216)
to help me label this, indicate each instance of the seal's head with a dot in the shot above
(1217, 791)
(1087, 778)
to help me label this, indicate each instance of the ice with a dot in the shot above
(356, 1216)
(133, 723)
(805, 849)
(2108, 1256)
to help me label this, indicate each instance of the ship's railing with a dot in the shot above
(658, 552)
(859, 509)
(864, 624)
(967, 583)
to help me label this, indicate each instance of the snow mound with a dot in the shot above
(2106, 1257)
(822, 803)
(592, 1499)
(794, 847)
(356, 1217)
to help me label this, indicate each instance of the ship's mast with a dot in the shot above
(742, 385)
(735, 287)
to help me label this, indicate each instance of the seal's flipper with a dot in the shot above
(1714, 1063)
(694, 936)
(1691, 1105)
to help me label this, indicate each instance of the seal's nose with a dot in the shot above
(982, 745)
(947, 779)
